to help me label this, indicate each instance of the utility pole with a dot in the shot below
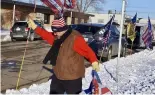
(13, 15)
(120, 42)
(71, 15)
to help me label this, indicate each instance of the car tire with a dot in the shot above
(109, 56)
(123, 51)
(31, 38)
(13, 39)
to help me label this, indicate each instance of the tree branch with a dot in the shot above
(88, 5)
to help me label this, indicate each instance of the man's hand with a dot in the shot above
(95, 66)
(31, 24)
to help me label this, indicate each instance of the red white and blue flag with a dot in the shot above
(96, 86)
(70, 4)
(57, 6)
(107, 30)
(148, 36)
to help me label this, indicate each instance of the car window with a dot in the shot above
(114, 31)
(99, 35)
(21, 24)
(85, 28)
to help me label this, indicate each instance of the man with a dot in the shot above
(66, 56)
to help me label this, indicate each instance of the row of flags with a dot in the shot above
(147, 36)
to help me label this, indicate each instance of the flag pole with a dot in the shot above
(120, 36)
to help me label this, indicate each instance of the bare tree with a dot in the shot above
(84, 5)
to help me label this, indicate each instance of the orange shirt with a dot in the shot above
(80, 45)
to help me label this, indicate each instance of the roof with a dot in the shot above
(8, 4)
(92, 24)
(138, 24)
(98, 24)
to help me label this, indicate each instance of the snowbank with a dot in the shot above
(135, 75)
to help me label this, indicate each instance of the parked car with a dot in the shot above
(20, 30)
(93, 34)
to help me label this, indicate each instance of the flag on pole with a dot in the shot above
(107, 30)
(57, 6)
(131, 28)
(96, 86)
(148, 36)
(70, 3)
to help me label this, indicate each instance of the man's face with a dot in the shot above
(58, 34)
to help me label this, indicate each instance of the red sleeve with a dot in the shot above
(81, 47)
(48, 36)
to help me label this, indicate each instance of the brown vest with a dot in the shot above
(69, 64)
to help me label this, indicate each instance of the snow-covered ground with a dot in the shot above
(5, 35)
(135, 75)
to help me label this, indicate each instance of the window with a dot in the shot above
(89, 20)
(86, 28)
(100, 20)
(116, 21)
(46, 18)
(21, 24)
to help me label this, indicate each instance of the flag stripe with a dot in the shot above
(148, 36)
(57, 6)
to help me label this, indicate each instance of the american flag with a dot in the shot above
(57, 6)
(106, 38)
(147, 37)
(107, 30)
(59, 22)
(96, 86)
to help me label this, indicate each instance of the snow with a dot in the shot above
(135, 75)
(5, 35)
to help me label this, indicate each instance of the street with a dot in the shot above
(11, 58)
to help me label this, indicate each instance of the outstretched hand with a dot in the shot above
(31, 23)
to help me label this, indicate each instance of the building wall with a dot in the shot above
(104, 18)
(7, 18)
(146, 21)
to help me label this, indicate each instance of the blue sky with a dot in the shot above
(142, 7)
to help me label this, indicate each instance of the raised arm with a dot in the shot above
(48, 36)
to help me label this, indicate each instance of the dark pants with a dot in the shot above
(69, 86)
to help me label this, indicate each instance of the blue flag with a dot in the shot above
(107, 30)
(134, 19)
